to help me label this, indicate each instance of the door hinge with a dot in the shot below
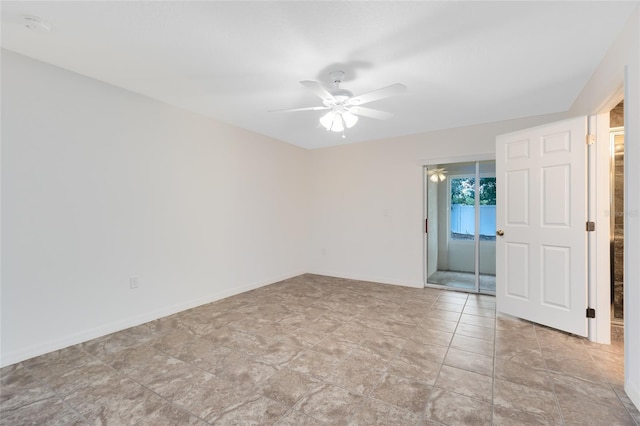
(426, 226)
(591, 226)
(591, 313)
(591, 139)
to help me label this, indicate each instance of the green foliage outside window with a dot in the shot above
(463, 191)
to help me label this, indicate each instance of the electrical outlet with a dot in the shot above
(133, 282)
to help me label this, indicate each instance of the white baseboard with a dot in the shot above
(371, 278)
(93, 333)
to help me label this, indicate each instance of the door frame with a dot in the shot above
(598, 208)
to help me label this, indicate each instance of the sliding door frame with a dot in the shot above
(447, 160)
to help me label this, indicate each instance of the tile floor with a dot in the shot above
(315, 350)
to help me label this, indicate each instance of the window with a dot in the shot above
(463, 209)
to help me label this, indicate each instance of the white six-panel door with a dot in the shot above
(541, 197)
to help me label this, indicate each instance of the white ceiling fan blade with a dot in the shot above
(374, 95)
(318, 108)
(370, 112)
(318, 89)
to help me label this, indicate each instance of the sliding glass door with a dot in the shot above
(460, 225)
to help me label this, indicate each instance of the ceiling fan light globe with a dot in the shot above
(338, 124)
(433, 178)
(441, 177)
(350, 120)
(327, 120)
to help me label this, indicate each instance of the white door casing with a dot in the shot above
(541, 260)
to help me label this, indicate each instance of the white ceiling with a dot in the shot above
(463, 62)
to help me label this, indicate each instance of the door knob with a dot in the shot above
(499, 232)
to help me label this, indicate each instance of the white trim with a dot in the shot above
(425, 217)
(74, 339)
(371, 278)
(599, 290)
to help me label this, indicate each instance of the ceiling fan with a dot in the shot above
(437, 175)
(344, 108)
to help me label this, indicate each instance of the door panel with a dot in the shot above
(541, 257)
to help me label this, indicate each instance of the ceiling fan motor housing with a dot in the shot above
(340, 95)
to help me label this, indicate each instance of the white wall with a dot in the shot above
(367, 204)
(600, 95)
(100, 184)
(462, 256)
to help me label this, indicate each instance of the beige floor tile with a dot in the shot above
(448, 306)
(424, 350)
(453, 409)
(438, 324)
(510, 417)
(576, 412)
(526, 398)
(584, 368)
(198, 352)
(382, 344)
(329, 404)
(374, 412)
(56, 363)
(358, 375)
(244, 370)
(518, 372)
(410, 367)
(278, 352)
(315, 363)
(334, 346)
(18, 387)
(471, 344)
(481, 312)
(512, 345)
(432, 337)
(469, 361)
(475, 331)
(409, 315)
(296, 418)
(507, 322)
(122, 401)
(50, 411)
(443, 315)
(466, 383)
(256, 410)
(482, 301)
(288, 386)
(478, 321)
(404, 393)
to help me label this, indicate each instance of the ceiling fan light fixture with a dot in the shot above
(437, 176)
(336, 121)
(338, 124)
(350, 120)
(327, 120)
